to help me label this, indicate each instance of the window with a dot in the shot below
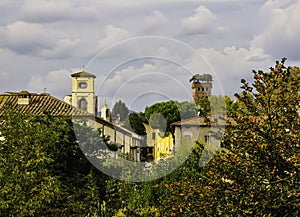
(82, 104)
(206, 139)
(82, 85)
(153, 135)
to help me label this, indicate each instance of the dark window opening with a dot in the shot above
(153, 135)
(206, 139)
(82, 104)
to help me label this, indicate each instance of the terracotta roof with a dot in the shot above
(200, 121)
(38, 104)
(83, 74)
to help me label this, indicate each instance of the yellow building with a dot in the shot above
(162, 145)
(83, 95)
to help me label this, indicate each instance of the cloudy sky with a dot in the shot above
(143, 52)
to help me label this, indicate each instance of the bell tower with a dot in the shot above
(202, 86)
(83, 94)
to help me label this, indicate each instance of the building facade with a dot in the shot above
(161, 144)
(83, 94)
(198, 129)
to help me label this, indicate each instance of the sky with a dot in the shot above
(143, 52)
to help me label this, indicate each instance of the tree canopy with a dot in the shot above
(171, 111)
(120, 110)
(134, 122)
(43, 170)
(258, 172)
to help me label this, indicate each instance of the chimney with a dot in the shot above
(24, 98)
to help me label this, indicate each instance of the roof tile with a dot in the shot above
(40, 103)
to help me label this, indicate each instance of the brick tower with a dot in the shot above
(201, 85)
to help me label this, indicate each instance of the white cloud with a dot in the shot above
(156, 21)
(202, 22)
(281, 33)
(56, 82)
(231, 64)
(158, 77)
(112, 35)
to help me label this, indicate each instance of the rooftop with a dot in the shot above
(83, 74)
(200, 121)
(39, 103)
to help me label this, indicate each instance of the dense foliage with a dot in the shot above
(258, 173)
(120, 111)
(134, 122)
(168, 112)
(43, 170)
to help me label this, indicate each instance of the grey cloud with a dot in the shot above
(203, 21)
(232, 63)
(25, 38)
(34, 39)
(68, 34)
(281, 33)
(46, 11)
(54, 11)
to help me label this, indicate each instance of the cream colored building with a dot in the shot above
(83, 95)
(198, 129)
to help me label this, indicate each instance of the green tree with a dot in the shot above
(204, 106)
(170, 111)
(258, 175)
(120, 110)
(43, 170)
(134, 122)
(218, 104)
(27, 185)
(131, 199)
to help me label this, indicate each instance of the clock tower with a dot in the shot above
(83, 94)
